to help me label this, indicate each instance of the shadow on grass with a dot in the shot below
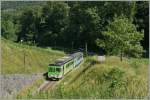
(66, 50)
(45, 75)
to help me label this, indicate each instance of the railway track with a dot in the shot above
(49, 85)
(45, 86)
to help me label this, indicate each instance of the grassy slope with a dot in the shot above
(112, 79)
(36, 59)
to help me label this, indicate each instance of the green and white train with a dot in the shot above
(64, 65)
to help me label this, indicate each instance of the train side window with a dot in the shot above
(79, 58)
(69, 64)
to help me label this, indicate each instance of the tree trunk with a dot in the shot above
(55, 44)
(72, 45)
(86, 48)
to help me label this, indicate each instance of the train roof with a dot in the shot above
(65, 59)
(76, 54)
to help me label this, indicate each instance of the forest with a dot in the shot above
(112, 38)
(113, 28)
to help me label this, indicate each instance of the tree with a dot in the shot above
(121, 38)
(29, 20)
(84, 25)
(26, 21)
(54, 16)
(10, 26)
(9, 30)
(71, 24)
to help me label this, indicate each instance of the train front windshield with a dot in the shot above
(51, 69)
(55, 69)
(58, 69)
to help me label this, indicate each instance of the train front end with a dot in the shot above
(55, 72)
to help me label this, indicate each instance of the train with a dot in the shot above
(61, 66)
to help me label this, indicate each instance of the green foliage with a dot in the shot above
(115, 76)
(128, 9)
(71, 24)
(122, 37)
(29, 20)
(85, 27)
(8, 30)
(9, 26)
(55, 18)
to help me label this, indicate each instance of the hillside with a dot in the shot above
(112, 79)
(20, 59)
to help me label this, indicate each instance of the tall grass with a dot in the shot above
(29, 90)
(17, 58)
(112, 79)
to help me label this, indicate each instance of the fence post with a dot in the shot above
(23, 57)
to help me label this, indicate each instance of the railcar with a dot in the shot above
(63, 65)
